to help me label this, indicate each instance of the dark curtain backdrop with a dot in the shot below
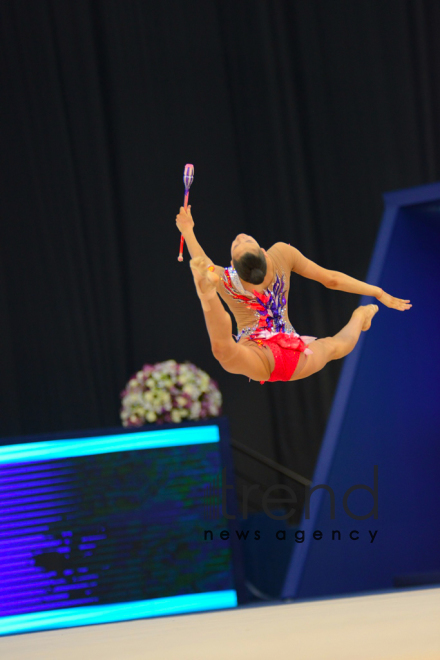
(297, 116)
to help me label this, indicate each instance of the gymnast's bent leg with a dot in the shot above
(233, 357)
(334, 348)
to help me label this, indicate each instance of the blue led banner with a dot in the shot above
(77, 616)
(110, 528)
(38, 451)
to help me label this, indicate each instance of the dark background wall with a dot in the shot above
(297, 117)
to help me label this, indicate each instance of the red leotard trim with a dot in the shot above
(286, 349)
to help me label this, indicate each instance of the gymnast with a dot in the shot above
(255, 288)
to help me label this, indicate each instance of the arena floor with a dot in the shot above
(394, 625)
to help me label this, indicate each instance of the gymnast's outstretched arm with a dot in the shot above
(185, 224)
(340, 282)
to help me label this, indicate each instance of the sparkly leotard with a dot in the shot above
(262, 317)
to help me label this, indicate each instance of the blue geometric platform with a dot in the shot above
(384, 425)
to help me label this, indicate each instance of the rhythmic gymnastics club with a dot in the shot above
(188, 178)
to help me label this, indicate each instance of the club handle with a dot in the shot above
(182, 240)
(180, 257)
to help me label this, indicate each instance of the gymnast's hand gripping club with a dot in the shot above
(188, 178)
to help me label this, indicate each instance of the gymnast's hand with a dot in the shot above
(394, 303)
(184, 220)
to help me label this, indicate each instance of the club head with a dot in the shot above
(188, 175)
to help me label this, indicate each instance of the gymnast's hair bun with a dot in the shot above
(256, 276)
(251, 267)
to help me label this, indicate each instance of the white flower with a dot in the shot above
(164, 397)
(133, 399)
(195, 409)
(175, 415)
(151, 416)
(204, 383)
(169, 366)
(192, 391)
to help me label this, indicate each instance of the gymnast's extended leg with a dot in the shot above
(333, 348)
(234, 358)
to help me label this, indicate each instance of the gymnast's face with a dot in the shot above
(243, 243)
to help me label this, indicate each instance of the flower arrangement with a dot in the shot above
(169, 392)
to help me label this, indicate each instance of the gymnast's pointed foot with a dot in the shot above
(205, 281)
(367, 311)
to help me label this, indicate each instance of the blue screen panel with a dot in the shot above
(112, 526)
(385, 417)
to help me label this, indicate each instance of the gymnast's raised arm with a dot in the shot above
(185, 224)
(340, 282)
